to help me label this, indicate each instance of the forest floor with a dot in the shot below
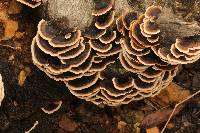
(27, 90)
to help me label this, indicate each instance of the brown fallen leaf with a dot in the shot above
(173, 93)
(137, 130)
(170, 125)
(14, 7)
(153, 130)
(10, 26)
(67, 124)
(177, 107)
(176, 93)
(22, 76)
(12, 57)
(19, 35)
(121, 124)
(159, 117)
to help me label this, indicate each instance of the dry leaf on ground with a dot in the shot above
(67, 124)
(176, 93)
(158, 117)
(170, 125)
(23, 75)
(153, 130)
(10, 26)
(121, 125)
(15, 7)
(173, 93)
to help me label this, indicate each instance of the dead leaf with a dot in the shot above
(170, 125)
(19, 34)
(137, 130)
(15, 7)
(10, 26)
(11, 58)
(67, 124)
(173, 93)
(153, 130)
(139, 115)
(177, 107)
(22, 76)
(177, 93)
(159, 117)
(121, 125)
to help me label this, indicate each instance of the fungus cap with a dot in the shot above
(31, 3)
(2, 95)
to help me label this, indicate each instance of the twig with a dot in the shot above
(33, 127)
(176, 108)
(8, 46)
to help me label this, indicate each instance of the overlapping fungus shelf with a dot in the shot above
(2, 93)
(115, 60)
(31, 3)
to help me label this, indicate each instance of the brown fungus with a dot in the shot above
(116, 59)
(129, 18)
(100, 47)
(103, 6)
(105, 20)
(2, 93)
(153, 12)
(31, 3)
(108, 37)
(63, 55)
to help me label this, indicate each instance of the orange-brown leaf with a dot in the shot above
(153, 130)
(159, 117)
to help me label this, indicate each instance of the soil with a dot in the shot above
(22, 105)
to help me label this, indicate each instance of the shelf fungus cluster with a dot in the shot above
(116, 60)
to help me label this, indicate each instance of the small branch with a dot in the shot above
(176, 108)
(33, 127)
(8, 46)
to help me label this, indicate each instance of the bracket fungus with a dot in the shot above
(2, 95)
(116, 59)
(31, 3)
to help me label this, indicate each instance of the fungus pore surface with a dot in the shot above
(117, 58)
